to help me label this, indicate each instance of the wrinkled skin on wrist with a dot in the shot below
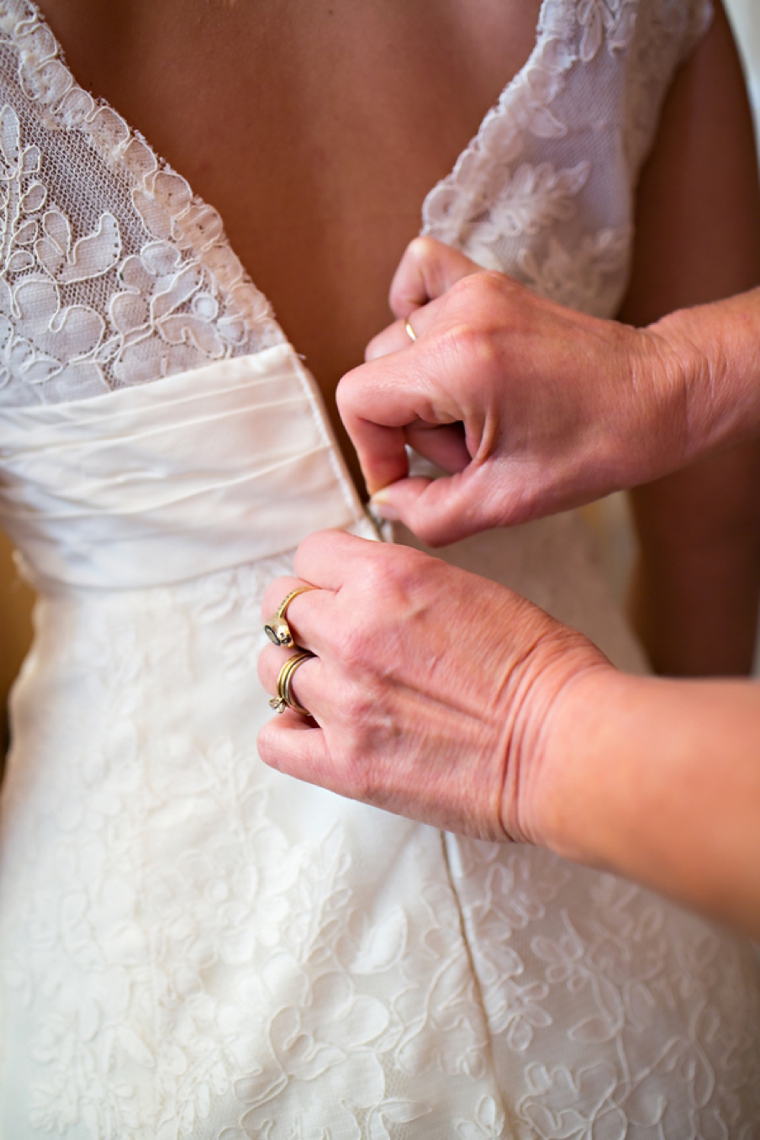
(528, 406)
(431, 692)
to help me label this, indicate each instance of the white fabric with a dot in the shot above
(193, 945)
(139, 488)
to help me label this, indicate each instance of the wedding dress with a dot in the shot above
(193, 945)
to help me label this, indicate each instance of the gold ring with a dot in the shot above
(285, 699)
(277, 628)
(409, 330)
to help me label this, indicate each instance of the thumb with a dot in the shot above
(427, 270)
(398, 501)
(438, 511)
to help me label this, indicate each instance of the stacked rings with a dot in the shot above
(285, 699)
(279, 633)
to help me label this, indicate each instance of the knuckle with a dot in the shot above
(477, 289)
(353, 647)
(358, 713)
(487, 298)
(384, 581)
(461, 337)
(321, 545)
(494, 283)
(381, 568)
(473, 348)
(306, 550)
(391, 581)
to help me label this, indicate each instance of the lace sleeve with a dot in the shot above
(111, 272)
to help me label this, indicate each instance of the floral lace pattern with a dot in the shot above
(508, 185)
(92, 298)
(197, 952)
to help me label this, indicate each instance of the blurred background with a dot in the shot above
(609, 517)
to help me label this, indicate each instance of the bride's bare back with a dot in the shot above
(315, 127)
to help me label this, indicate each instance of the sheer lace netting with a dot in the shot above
(113, 273)
(513, 201)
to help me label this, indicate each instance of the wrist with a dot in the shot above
(570, 808)
(547, 761)
(709, 355)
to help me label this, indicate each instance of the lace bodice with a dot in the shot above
(113, 273)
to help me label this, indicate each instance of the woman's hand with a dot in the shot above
(446, 698)
(431, 691)
(531, 408)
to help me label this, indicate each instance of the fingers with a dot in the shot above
(378, 403)
(427, 269)
(375, 412)
(304, 617)
(381, 450)
(442, 444)
(275, 594)
(410, 383)
(292, 745)
(451, 508)
(296, 747)
(329, 558)
(396, 337)
(324, 561)
(435, 510)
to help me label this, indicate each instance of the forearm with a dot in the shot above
(659, 781)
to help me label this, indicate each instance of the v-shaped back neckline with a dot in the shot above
(261, 301)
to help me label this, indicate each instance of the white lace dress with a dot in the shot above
(193, 945)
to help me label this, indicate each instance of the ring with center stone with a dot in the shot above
(277, 628)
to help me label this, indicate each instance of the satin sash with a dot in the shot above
(176, 478)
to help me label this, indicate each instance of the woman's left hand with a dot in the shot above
(431, 691)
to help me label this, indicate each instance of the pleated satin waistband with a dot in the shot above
(176, 478)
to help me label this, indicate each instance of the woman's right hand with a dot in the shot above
(432, 692)
(530, 407)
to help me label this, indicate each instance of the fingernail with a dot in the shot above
(382, 507)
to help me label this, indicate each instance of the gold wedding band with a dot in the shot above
(277, 628)
(409, 330)
(285, 699)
